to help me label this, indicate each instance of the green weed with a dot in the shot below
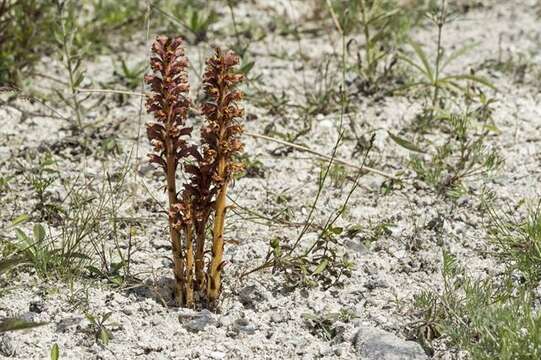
(518, 242)
(99, 327)
(463, 153)
(22, 39)
(434, 77)
(488, 318)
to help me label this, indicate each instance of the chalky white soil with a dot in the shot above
(259, 317)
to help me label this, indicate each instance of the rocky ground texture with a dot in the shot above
(394, 239)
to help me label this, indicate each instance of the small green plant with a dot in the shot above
(99, 327)
(66, 252)
(488, 318)
(72, 57)
(329, 326)
(322, 262)
(462, 154)
(455, 161)
(130, 77)
(321, 96)
(433, 75)
(4, 183)
(518, 242)
(22, 39)
(194, 16)
(39, 252)
(41, 177)
(55, 352)
(383, 24)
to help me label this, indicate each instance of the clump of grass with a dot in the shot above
(77, 242)
(383, 24)
(322, 262)
(22, 38)
(463, 155)
(518, 242)
(488, 318)
(211, 169)
(434, 78)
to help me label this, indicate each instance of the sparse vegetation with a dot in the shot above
(490, 318)
(373, 136)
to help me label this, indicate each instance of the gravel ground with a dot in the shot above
(260, 317)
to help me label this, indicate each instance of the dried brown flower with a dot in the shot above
(220, 142)
(169, 103)
(210, 172)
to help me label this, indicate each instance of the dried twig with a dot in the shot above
(323, 156)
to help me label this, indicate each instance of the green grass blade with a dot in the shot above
(17, 324)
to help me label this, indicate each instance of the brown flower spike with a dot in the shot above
(211, 172)
(170, 104)
(220, 141)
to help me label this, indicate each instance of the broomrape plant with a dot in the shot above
(210, 166)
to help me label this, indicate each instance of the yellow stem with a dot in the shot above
(214, 285)
(178, 262)
(189, 267)
(200, 257)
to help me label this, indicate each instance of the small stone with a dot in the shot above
(145, 169)
(250, 296)
(36, 306)
(29, 316)
(217, 355)
(166, 263)
(356, 245)
(128, 310)
(198, 321)
(463, 200)
(376, 344)
(64, 324)
(6, 348)
(244, 326)
(278, 317)
(376, 283)
(326, 124)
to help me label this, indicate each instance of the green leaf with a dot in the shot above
(39, 233)
(79, 77)
(474, 78)
(17, 324)
(335, 230)
(321, 267)
(20, 219)
(422, 56)
(21, 236)
(91, 318)
(456, 54)
(246, 67)
(405, 143)
(106, 317)
(194, 21)
(412, 63)
(55, 352)
(104, 336)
